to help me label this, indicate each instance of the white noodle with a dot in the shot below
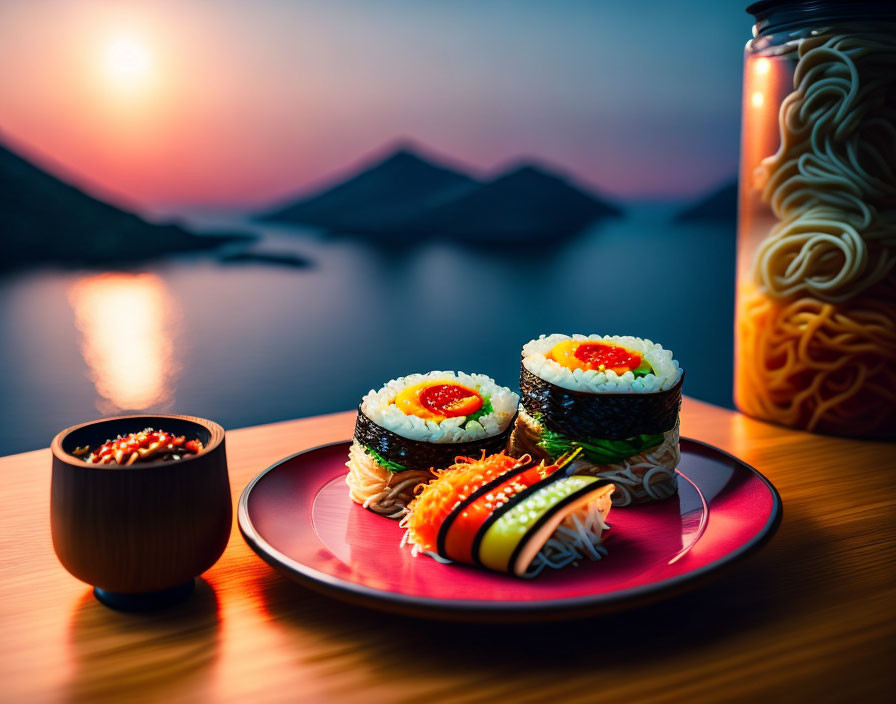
(832, 182)
(378, 489)
(576, 538)
(647, 476)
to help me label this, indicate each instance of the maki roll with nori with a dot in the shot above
(422, 422)
(617, 398)
(509, 515)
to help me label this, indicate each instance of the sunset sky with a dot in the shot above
(238, 104)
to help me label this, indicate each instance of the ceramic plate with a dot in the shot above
(298, 517)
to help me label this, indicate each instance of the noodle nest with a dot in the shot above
(817, 328)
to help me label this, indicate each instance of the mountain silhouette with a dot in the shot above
(720, 204)
(405, 197)
(378, 196)
(46, 220)
(525, 203)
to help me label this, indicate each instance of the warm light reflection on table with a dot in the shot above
(128, 324)
(777, 623)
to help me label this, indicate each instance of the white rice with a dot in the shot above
(380, 407)
(666, 370)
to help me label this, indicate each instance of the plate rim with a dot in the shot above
(434, 607)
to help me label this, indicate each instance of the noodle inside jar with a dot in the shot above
(816, 311)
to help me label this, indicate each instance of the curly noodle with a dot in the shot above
(817, 327)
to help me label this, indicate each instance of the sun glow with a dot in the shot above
(128, 62)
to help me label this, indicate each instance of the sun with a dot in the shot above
(128, 61)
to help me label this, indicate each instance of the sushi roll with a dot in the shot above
(420, 422)
(617, 398)
(509, 515)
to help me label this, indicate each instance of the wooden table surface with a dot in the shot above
(810, 617)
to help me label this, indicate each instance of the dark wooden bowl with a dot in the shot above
(140, 534)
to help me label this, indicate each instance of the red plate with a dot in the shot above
(298, 517)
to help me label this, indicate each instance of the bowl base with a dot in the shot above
(147, 601)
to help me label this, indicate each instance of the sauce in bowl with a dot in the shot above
(147, 445)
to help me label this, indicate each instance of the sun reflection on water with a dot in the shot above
(128, 324)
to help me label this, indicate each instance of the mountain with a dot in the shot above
(405, 196)
(45, 219)
(378, 196)
(721, 204)
(526, 203)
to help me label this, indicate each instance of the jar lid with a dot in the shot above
(776, 14)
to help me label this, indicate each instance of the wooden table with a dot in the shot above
(808, 618)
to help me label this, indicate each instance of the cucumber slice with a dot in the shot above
(546, 526)
(561, 462)
(504, 538)
(643, 369)
(459, 533)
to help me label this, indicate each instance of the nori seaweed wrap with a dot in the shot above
(510, 515)
(616, 398)
(419, 423)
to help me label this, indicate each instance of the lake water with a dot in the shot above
(252, 343)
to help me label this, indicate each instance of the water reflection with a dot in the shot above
(128, 324)
(258, 344)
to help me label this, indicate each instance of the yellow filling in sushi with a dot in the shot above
(438, 399)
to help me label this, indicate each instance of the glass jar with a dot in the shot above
(816, 265)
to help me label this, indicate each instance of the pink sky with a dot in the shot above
(239, 104)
